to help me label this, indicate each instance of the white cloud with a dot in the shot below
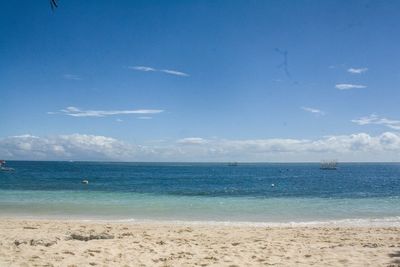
(352, 147)
(145, 118)
(357, 70)
(175, 72)
(171, 72)
(76, 112)
(192, 141)
(25, 136)
(313, 110)
(142, 68)
(72, 77)
(348, 86)
(375, 119)
(75, 146)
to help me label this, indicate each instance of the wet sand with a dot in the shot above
(78, 243)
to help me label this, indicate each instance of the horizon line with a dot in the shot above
(202, 162)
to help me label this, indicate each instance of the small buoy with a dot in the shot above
(272, 185)
(85, 182)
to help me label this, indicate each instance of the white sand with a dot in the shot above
(61, 243)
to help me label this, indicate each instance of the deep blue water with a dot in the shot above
(177, 190)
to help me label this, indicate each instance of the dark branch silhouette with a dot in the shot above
(53, 4)
(284, 64)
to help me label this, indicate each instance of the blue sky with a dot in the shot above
(200, 80)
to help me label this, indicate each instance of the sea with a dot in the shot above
(249, 193)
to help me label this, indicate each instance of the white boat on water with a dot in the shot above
(3, 167)
(329, 165)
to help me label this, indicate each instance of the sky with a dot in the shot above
(251, 81)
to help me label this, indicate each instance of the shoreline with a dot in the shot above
(29, 242)
(393, 221)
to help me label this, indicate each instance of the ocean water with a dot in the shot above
(359, 193)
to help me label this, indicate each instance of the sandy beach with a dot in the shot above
(78, 243)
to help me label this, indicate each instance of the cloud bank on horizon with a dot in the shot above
(353, 147)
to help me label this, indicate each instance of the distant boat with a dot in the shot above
(232, 164)
(329, 165)
(3, 167)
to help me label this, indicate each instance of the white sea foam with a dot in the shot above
(353, 222)
(364, 222)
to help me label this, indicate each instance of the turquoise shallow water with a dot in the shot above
(106, 205)
(202, 192)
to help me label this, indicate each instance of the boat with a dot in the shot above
(329, 165)
(3, 167)
(232, 164)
